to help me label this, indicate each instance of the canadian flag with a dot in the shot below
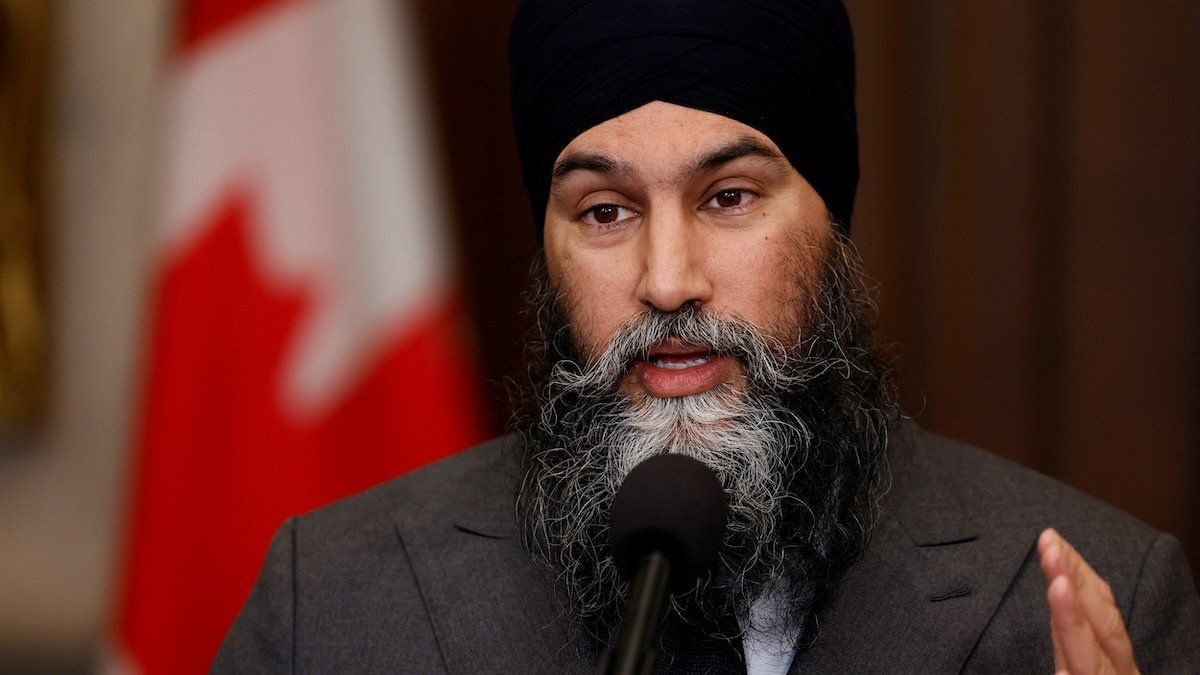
(305, 338)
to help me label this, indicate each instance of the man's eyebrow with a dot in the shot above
(596, 163)
(744, 147)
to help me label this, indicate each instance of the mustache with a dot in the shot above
(769, 362)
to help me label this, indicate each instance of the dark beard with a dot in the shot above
(821, 409)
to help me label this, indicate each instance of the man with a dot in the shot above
(692, 168)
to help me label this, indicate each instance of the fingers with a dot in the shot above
(1086, 627)
(1060, 661)
(1050, 569)
(1081, 652)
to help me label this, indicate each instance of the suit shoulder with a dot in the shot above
(469, 475)
(1002, 492)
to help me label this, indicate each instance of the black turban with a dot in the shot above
(783, 67)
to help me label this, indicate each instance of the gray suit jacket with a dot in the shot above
(426, 574)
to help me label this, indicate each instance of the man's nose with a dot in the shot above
(673, 271)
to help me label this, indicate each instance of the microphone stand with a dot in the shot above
(634, 653)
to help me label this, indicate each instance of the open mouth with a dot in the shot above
(676, 363)
(675, 368)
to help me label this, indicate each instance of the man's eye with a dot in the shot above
(729, 198)
(607, 214)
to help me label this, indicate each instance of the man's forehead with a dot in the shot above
(664, 141)
(601, 164)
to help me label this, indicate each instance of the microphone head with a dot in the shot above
(674, 504)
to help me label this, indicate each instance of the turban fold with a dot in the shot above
(783, 67)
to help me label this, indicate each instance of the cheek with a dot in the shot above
(592, 301)
(767, 283)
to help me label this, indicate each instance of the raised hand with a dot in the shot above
(1086, 628)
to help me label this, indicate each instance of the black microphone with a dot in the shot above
(668, 520)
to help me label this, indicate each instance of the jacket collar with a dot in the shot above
(932, 576)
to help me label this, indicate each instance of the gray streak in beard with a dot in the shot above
(789, 527)
(746, 438)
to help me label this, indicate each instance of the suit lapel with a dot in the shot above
(490, 608)
(930, 580)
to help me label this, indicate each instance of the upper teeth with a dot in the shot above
(680, 365)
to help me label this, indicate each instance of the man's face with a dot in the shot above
(671, 232)
(666, 206)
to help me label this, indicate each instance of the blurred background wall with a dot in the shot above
(62, 475)
(1030, 205)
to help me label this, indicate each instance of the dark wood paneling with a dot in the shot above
(467, 44)
(1132, 312)
(1038, 235)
